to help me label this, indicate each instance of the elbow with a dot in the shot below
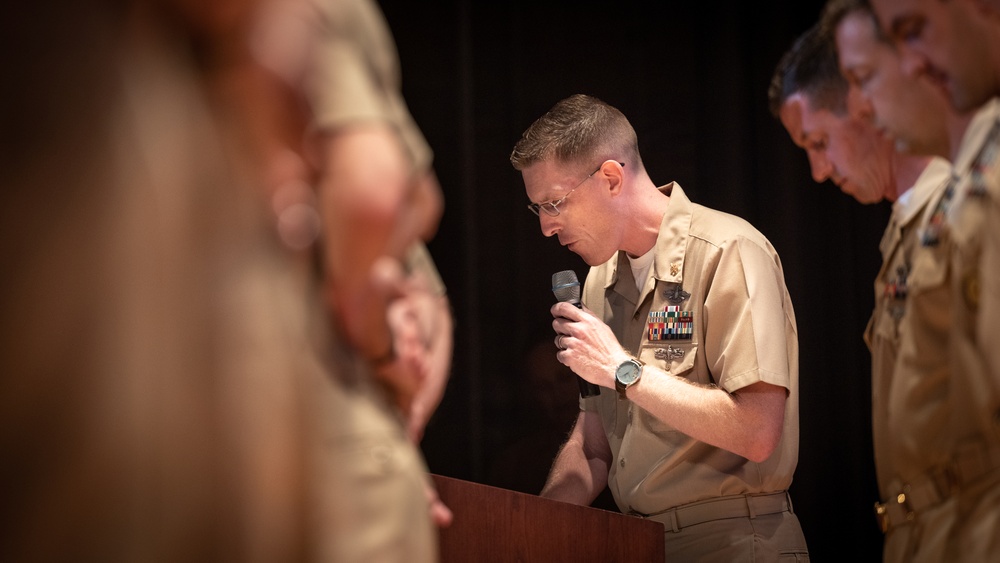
(759, 454)
(763, 420)
(370, 206)
(762, 445)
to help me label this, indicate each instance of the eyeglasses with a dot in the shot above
(551, 207)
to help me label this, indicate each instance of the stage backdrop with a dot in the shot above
(692, 77)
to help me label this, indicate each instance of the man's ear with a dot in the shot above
(614, 171)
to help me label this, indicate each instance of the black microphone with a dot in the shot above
(566, 288)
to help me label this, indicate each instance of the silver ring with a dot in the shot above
(559, 342)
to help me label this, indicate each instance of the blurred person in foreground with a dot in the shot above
(378, 201)
(378, 188)
(688, 330)
(154, 337)
(168, 387)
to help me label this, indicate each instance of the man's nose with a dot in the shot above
(548, 223)
(820, 167)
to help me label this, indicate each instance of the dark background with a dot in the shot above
(692, 78)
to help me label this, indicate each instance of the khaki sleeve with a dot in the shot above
(746, 326)
(355, 77)
(988, 320)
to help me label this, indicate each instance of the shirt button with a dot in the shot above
(621, 462)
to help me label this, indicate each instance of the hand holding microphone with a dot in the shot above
(566, 288)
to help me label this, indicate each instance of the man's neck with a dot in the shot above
(647, 207)
(957, 125)
(906, 168)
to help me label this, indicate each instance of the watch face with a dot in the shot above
(627, 373)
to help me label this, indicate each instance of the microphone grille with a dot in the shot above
(566, 286)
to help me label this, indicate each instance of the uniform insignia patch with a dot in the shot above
(669, 353)
(895, 292)
(895, 288)
(935, 225)
(676, 295)
(670, 324)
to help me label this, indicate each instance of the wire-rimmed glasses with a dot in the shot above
(551, 207)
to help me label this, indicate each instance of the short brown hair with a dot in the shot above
(836, 10)
(810, 67)
(579, 129)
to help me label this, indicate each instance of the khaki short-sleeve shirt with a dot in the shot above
(988, 321)
(735, 327)
(891, 294)
(974, 265)
(943, 396)
(355, 75)
(974, 538)
(355, 78)
(934, 402)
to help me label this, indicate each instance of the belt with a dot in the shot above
(736, 506)
(935, 485)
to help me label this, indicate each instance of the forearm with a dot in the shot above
(362, 192)
(363, 189)
(580, 470)
(747, 423)
(574, 479)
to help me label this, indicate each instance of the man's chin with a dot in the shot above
(857, 192)
(867, 198)
(592, 260)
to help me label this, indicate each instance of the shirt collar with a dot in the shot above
(671, 242)
(979, 127)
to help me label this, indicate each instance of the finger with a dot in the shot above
(441, 515)
(558, 341)
(563, 357)
(566, 311)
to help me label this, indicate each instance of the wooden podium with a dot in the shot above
(493, 524)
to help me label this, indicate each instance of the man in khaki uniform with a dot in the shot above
(902, 414)
(378, 198)
(957, 44)
(153, 333)
(690, 335)
(822, 112)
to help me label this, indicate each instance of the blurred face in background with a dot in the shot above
(844, 149)
(906, 108)
(946, 41)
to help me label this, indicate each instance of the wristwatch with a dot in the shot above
(627, 374)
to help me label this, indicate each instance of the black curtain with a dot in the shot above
(692, 78)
